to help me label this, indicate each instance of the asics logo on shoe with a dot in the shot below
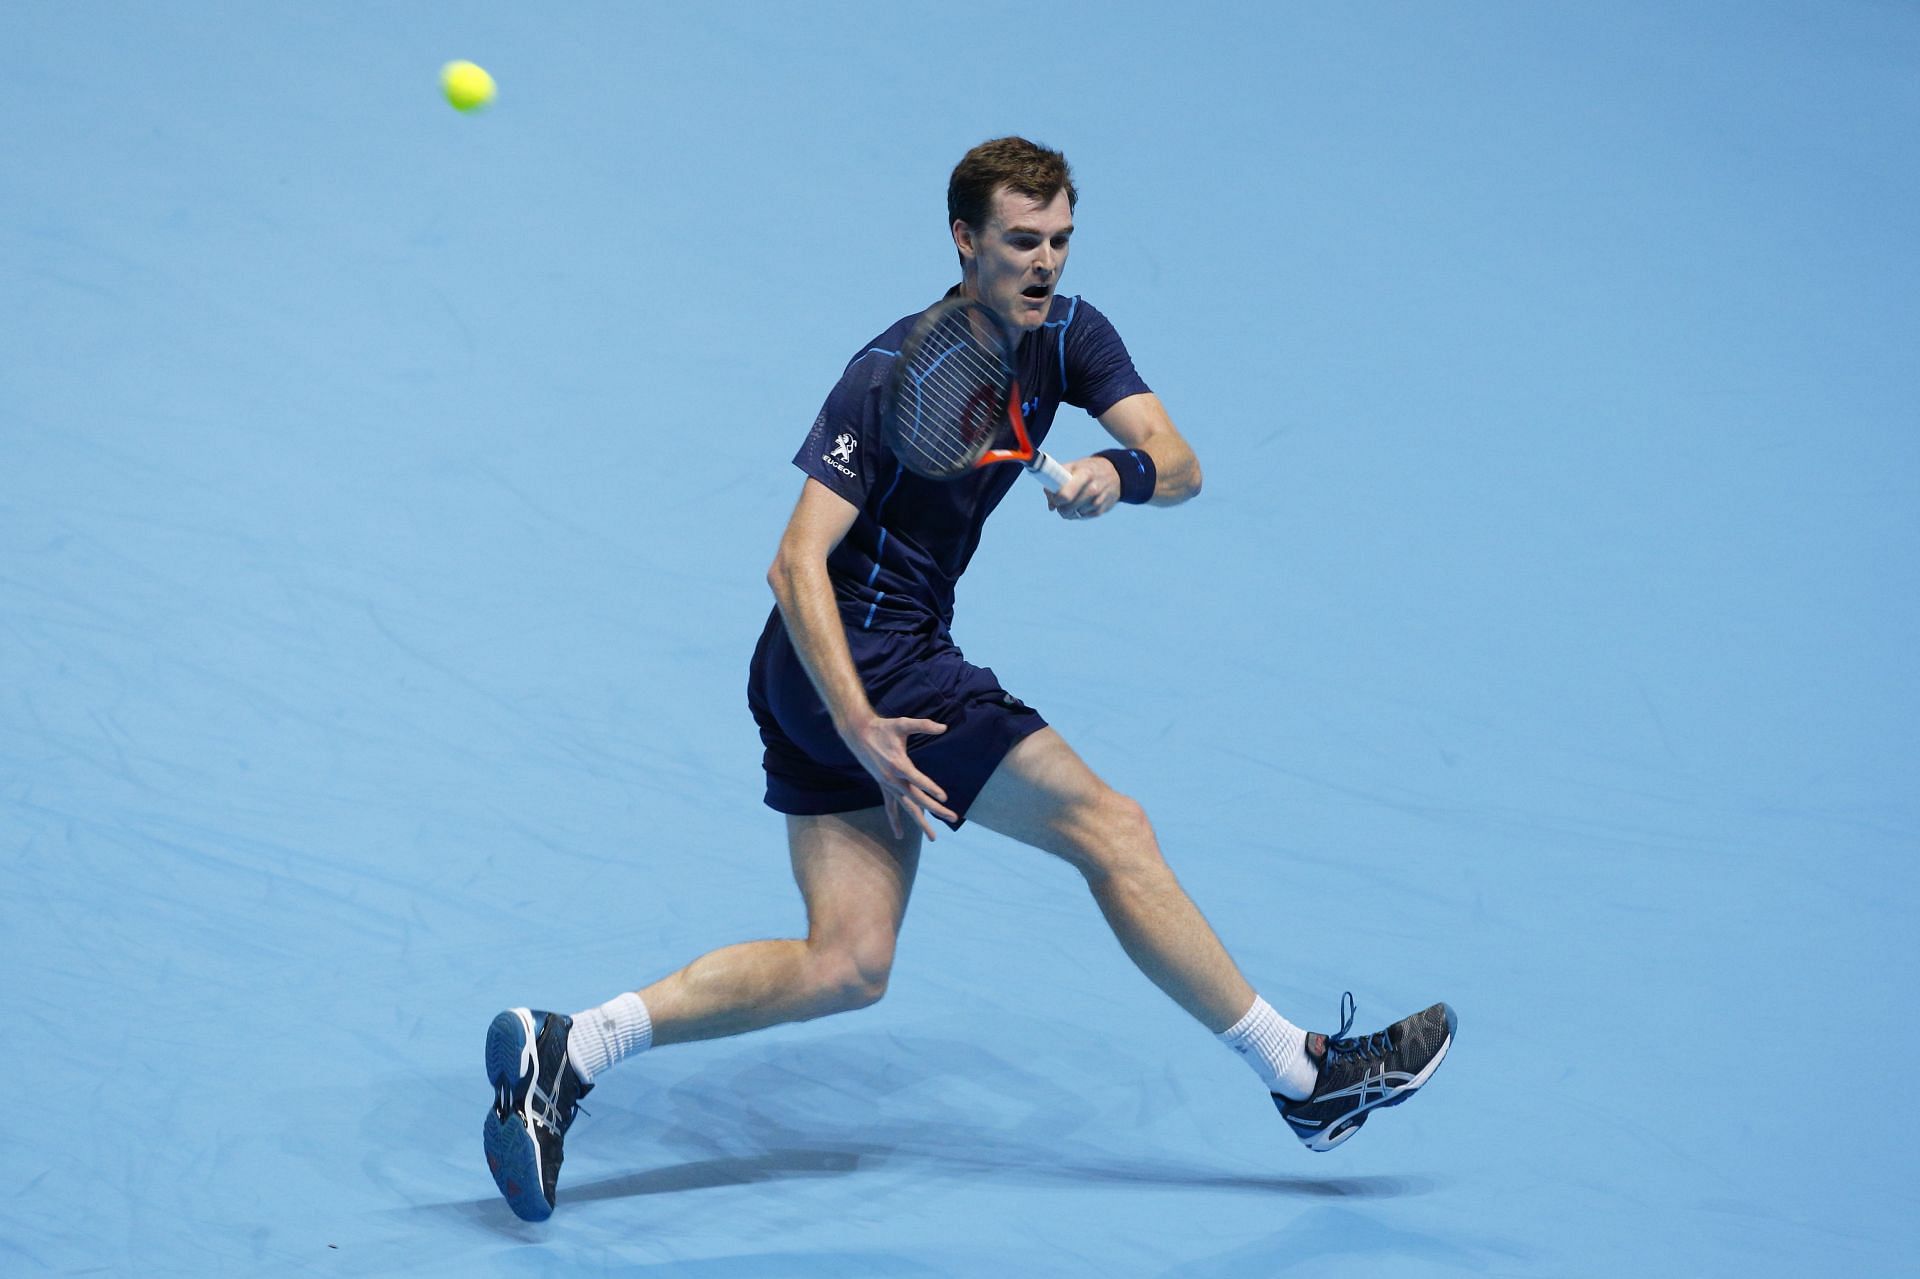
(1372, 1088)
(546, 1107)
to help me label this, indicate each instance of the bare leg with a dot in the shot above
(855, 876)
(1044, 795)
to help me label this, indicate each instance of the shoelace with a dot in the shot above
(1340, 1047)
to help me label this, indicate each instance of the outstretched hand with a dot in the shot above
(1092, 489)
(881, 747)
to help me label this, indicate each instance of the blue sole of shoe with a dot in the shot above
(516, 1170)
(511, 1157)
(506, 1047)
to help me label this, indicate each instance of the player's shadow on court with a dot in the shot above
(900, 1110)
(774, 1165)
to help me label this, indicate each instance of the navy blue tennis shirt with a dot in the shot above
(897, 566)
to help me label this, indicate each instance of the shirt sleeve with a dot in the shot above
(843, 450)
(1097, 371)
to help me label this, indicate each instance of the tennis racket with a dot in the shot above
(953, 404)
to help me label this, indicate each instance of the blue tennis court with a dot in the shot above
(385, 501)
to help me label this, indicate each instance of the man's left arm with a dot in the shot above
(1140, 424)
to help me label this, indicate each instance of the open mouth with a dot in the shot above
(1036, 292)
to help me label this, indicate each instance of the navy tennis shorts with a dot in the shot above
(913, 674)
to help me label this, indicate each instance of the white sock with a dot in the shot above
(604, 1036)
(1276, 1049)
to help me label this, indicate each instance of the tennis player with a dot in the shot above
(875, 726)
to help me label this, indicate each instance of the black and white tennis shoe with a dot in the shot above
(1365, 1073)
(536, 1091)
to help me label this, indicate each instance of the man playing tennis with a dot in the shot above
(873, 721)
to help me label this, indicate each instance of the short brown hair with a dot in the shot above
(1023, 167)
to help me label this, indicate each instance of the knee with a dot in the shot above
(1112, 835)
(852, 976)
(1128, 824)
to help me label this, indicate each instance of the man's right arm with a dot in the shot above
(804, 592)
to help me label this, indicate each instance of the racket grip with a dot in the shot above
(1049, 472)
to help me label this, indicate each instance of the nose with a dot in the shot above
(1048, 259)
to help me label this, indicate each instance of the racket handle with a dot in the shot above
(1049, 472)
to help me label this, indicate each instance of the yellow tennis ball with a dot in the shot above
(467, 86)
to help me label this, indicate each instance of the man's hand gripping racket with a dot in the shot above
(954, 403)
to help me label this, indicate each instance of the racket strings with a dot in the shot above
(953, 393)
(956, 408)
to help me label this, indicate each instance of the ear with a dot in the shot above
(963, 240)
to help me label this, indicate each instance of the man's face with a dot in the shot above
(1017, 257)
